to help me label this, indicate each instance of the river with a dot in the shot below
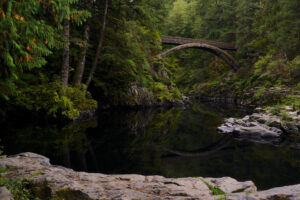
(174, 142)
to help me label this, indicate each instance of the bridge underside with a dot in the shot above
(216, 50)
(180, 41)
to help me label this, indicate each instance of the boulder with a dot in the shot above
(247, 128)
(264, 125)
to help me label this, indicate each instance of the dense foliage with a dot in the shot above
(49, 50)
(266, 34)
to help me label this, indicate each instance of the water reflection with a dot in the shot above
(174, 142)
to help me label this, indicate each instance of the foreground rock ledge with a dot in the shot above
(38, 170)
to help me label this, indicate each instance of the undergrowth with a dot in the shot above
(48, 97)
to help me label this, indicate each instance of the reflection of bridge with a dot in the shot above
(213, 149)
(218, 48)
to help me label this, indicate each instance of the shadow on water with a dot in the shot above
(176, 142)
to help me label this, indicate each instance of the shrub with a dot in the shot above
(18, 188)
(48, 97)
(259, 93)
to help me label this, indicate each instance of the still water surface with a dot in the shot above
(176, 142)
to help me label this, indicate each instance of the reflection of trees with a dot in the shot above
(129, 139)
(58, 143)
(173, 142)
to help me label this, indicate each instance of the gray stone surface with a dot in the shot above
(230, 185)
(126, 187)
(263, 125)
(280, 193)
(101, 186)
(5, 194)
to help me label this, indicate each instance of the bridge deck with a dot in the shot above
(180, 41)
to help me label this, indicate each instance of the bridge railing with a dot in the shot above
(180, 41)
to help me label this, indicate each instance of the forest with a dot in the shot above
(64, 57)
(95, 87)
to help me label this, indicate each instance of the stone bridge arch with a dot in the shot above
(201, 45)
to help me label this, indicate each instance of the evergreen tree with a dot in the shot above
(25, 39)
(30, 30)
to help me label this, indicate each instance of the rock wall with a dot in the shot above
(249, 97)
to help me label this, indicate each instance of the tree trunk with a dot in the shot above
(66, 56)
(95, 61)
(82, 57)
(77, 79)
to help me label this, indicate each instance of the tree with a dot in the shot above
(83, 52)
(25, 39)
(99, 47)
(66, 56)
(178, 19)
(78, 16)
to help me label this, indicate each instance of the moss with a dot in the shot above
(35, 174)
(276, 109)
(214, 190)
(23, 190)
(284, 116)
(250, 192)
(259, 93)
(4, 170)
(19, 188)
(292, 101)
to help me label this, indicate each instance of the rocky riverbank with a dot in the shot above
(56, 181)
(265, 125)
(256, 96)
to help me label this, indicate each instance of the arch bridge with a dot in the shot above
(218, 48)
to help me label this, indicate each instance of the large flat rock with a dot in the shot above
(101, 186)
(86, 186)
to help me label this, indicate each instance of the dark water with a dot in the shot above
(177, 142)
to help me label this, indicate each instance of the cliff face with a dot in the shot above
(58, 181)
